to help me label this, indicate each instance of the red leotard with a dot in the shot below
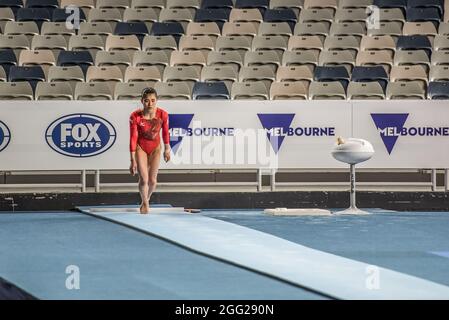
(145, 133)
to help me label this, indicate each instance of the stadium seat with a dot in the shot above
(318, 4)
(166, 44)
(402, 4)
(83, 4)
(373, 58)
(378, 43)
(356, 29)
(424, 14)
(438, 90)
(14, 5)
(146, 15)
(202, 44)
(147, 73)
(353, 4)
(173, 29)
(439, 73)
(296, 58)
(83, 59)
(370, 74)
(43, 58)
(7, 60)
(263, 74)
(312, 29)
(365, 91)
(131, 90)
(69, 74)
(325, 16)
(156, 58)
(406, 90)
(329, 90)
(28, 28)
(295, 5)
(219, 16)
(392, 15)
(305, 43)
(411, 57)
(342, 43)
(262, 57)
(173, 90)
(91, 43)
(224, 73)
(414, 43)
(186, 74)
(386, 29)
(120, 5)
(275, 29)
(249, 90)
(288, 91)
(438, 4)
(188, 58)
(440, 57)
(240, 29)
(235, 43)
(111, 16)
(102, 29)
(181, 16)
(3, 76)
(14, 42)
(129, 43)
(57, 28)
(61, 15)
(246, 15)
(295, 73)
(16, 91)
(113, 58)
(225, 58)
(54, 91)
(156, 5)
(37, 15)
(104, 74)
(409, 73)
(262, 5)
(93, 91)
(217, 4)
(350, 15)
(337, 73)
(210, 90)
(210, 29)
(139, 29)
(32, 75)
(277, 44)
(281, 15)
(441, 42)
(6, 14)
(343, 58)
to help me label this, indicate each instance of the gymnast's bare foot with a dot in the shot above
(145, 208)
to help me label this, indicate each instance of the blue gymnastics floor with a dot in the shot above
(118, 262)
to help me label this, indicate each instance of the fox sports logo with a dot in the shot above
(5, 136)
(80, 135)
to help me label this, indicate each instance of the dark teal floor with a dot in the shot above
(116, 262)
(416, 243)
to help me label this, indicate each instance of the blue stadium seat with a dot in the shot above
(174, 29)
(13, 4)
(138, 29)
(334, 73)
(402, 4)
(60, 15)
(281, 15)
(7, 60)
(414, 43)
(219, 16)
(31, 74)
(368, 74)
(210, 90)
(262, 5)
(217, 4)
(439, 4)
(50, 5)
(38, 15)
(76, 58)
(424, 14)
(438, 90)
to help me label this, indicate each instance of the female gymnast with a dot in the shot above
(145, 146)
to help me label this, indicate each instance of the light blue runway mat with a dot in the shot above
(276, 257)
(116, 262)
(224, 254)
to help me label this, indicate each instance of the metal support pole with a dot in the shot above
(259, 179)
(352, 190)
(434, 179)
(446, 180)
(97, 181)
(273, 180)
(83, 180)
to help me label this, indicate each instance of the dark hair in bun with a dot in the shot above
(148, 91)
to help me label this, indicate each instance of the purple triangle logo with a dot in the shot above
(178, 125)
(277, 125)
(390, 127)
